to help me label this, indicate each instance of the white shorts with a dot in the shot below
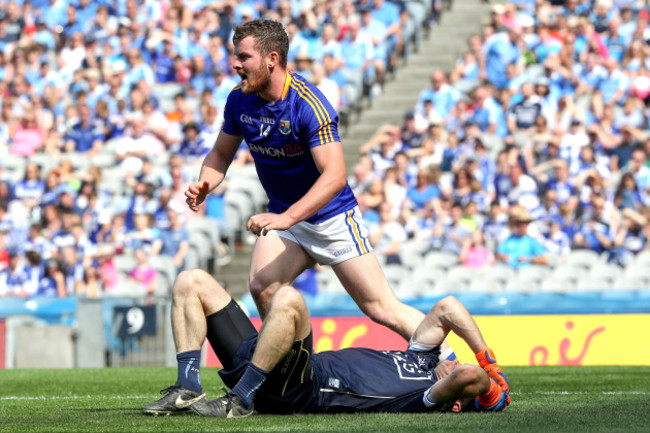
(333, 241)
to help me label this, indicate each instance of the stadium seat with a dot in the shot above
(593, 283)
(208, 227)
(643, 259)
(167, 272)
(232, 225)
(412, 252)
(487, 284)
(124, 263)
(522, 283)
(162, 160)
(394, 274)
(534, 272)
(203, 246)
(79, 161)
(569, 272)
(103, 160)
(439, 259)
(606, 271)
(328, 282)
(499, 271)
(192, 260)
(631, 283)
(558, 284)
(14, 167)
(422, 281)
(45, 161)
(452, 286)
(637, 270)
(241, 201)
(252, 188)
(583, 258)
(410, 289)
(461, 273)
(127, 289)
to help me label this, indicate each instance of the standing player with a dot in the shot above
(277, 372)
(291, 131)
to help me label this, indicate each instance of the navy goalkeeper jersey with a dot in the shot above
(280, 136)
(366, 380)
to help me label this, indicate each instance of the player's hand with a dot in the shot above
(261, 224)
(444, 368)
(495, 373)
(196, 193)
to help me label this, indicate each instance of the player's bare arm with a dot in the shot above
(329, 160)
(213, 170)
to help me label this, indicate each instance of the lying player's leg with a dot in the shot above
(196, 295)
(286, 323)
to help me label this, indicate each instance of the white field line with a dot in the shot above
(142, 397)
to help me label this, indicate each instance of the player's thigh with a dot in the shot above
(364, 281)
(276, 262)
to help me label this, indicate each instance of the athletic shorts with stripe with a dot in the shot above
(332, 241)
(291, 386)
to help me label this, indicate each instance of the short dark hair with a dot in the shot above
(269, 36)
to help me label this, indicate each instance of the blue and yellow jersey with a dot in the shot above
(280, 136)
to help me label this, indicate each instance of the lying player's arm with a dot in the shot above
(329, 161)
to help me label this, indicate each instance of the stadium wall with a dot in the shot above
(606, 339)
(3, 333)
(519, 339)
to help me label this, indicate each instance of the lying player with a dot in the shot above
(277, 371)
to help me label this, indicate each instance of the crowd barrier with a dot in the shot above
(587, 328)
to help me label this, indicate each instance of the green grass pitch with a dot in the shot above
(544, 399)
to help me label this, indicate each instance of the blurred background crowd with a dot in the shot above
(533, 147)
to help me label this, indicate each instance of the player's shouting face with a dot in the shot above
(251, 67)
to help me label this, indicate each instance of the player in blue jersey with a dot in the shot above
(291, 131)
(275, 371)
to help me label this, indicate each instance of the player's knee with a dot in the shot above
(189, 282)
(468, 374)
(288, 299)
(262, 291)
(445, 306)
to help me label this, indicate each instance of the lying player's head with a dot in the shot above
(269, 36)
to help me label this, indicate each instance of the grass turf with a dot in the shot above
(544, 399)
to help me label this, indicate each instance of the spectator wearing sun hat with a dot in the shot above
(520, 249)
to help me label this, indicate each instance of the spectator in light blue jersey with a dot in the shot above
(444, 96)
(488, 114)
(613, 86)
(519, 249)
(547, 44)
(500, 50)
(616, 42)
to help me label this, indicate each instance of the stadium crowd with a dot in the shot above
(536, 143)
(533, 145)
(109, 106)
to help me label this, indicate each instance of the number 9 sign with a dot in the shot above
(134, 321)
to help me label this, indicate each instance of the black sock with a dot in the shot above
(248, 385)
